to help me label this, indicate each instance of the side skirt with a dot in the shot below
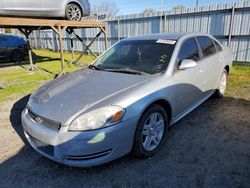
(192, 108)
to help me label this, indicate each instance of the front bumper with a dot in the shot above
(82, 149)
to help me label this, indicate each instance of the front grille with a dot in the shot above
(43, 147)
(44, 121)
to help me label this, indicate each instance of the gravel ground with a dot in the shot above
(208, 148)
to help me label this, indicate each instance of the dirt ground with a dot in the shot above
(208, 148)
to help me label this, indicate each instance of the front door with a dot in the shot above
(54, 8)
(188, 89)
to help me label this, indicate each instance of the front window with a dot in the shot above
(189, 50)
(139, 57)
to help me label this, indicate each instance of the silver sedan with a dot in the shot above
(126, 100)
(69, 9)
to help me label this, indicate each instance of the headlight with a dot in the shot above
(99, 118)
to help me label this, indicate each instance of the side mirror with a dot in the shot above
(187, 64)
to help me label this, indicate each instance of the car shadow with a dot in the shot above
(15, 116)
(7, 63)
(209, 147)
(4, 62)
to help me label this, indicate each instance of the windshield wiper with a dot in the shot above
(94, 67)
(127, 71)
(121, 70)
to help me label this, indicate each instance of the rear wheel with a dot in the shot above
(151, 132)
(220, 92)
(17, 56)
(73, 12)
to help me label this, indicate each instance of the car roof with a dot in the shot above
(165, 36)
(10, 35)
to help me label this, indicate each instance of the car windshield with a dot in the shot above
(136, 57)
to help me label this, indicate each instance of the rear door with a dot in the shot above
(188, 87)
(22, 7)
(211, 63)
(35, 5)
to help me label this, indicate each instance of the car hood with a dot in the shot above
(76, 93)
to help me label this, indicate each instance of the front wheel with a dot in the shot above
(151, 132)
(73, 12)
(220, 92)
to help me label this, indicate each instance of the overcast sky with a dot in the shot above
(137, 6)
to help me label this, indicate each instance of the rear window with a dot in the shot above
(207, 46)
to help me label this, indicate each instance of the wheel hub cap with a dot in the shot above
(153, 130)
(74, 13)
(223, 83)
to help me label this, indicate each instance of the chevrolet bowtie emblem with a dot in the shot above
(39, 120)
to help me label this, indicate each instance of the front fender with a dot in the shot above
(139, 107)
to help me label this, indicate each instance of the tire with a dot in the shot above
(73, 12)
(16, 56)
(146, 143)
(220, 92)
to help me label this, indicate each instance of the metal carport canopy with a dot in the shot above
(27, 25)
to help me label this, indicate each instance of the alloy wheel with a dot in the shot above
(74, 12)
(223, 83)
(153, 131)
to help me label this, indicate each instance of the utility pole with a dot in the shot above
(197, 3)
(161, 5)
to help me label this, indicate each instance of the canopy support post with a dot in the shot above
(59, 31)
(27, 33)
(104, 31)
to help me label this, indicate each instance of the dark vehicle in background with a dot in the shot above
(12, 48)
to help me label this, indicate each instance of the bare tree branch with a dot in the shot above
(178, 7)
(107, 7)
(149, 11)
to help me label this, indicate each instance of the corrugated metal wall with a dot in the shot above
(2, 30)
(213, 19)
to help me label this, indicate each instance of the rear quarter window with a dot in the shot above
(219, 48)
(207, 46)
